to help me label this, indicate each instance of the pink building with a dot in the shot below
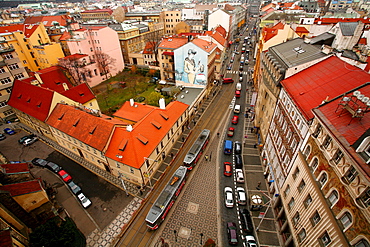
(96, 54)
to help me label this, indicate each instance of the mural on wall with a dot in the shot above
(191, 66)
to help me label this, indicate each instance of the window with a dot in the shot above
(3, 104)
(19, 76)
(291, 203)
(317, 131)
(302, 235)
(301, 186)
(132, 170)
(118, 165)
(346, 220)
(314, 164)
(325, 239)
(315, 218)
(365, 198)
(296, 173)
(296, 218)
(337, 156)
(2, 70)
(307, 202)
(307, 151)
(7, 56)
(13, 66)
(362, 243)
(351, 174)
(326, 142)
(5, 80)
(323, 178)
(333, 197)
(287, 190)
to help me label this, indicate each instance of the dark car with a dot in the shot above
(9, 131)
(232, 234)
(237, 147)
(39, 162)
(246, 221)
(238, 161)
(241, 67)
(21, 141)
(54, 167)
(2, 137)
(74, 188)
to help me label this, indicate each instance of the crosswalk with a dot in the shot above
(236, 72)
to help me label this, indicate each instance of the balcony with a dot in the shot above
(6, 49)
(3, 86)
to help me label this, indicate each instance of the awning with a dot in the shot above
(254, 98)
(168, 53)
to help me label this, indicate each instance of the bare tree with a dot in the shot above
(76, 69)
(105, 63)
(153, 38)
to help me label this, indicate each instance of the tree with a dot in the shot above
(76, 68)
(153, 98)
(153, 38)
(105, 63)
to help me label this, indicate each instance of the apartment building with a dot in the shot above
(170, 20)
(97, 14)
(288, 156)
(32, 44)
(11, 69)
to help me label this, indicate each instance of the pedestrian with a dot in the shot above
(206, 157)
(183, 139)
(172, 155)
(252, 129)
(218, 134)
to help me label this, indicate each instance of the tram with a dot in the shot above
(196, 150)
(166, 199)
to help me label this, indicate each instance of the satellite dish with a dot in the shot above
(356, 93)
(360, 96)
(365, 99)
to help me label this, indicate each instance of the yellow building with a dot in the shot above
(170, 20)
(32, 44)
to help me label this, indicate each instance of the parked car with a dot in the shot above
(228, 169)
(2, 137)
(65, 176)
(246, 220)
(9, 131)
(238, 161)
(241, 195)
(237, 94)
(84, 200)
(241, 67)
(54, 167)
(74, 187)
(239, 175)
(250, 241)
(21, 141)
(237, 147)
(232, 234)
(241, 78)
(39, 162)
(235, 120)
(230, 131)
(30, 140)
(229, 67)
(229, 201)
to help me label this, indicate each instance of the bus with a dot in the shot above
(196, 150)
(166, 199)
(228, 147)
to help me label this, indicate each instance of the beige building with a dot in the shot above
(170, 19)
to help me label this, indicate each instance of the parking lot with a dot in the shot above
(107, 200)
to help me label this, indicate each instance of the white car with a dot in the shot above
(239, 175)
(29, 141)
(242, 197)
(84, 200)
(229, 201)
(250, 241)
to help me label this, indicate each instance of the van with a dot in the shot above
(238, 86)
(237, 109)
(227, 80)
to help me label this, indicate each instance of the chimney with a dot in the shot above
(132, 102)
(162, 104)
(129, 128)
(38, 78)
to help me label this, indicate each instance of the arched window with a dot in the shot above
(307, 151)
(333, 197)
(314, 163)
(323, 178)
(346, 220)
(362, 243)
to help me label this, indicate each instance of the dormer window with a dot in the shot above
(165, 116)
(75, 124)
(142, 139)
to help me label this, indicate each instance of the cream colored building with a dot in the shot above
(170, 20)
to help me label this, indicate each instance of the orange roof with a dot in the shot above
(362, 41)
(86, 127)
(27, 29)
(172, 42)
(133, 113)
(205, 45)
(74, 56)
(149, 47)
(16, 168)
(130, 148)
(80, 93)
(221, 30)
(228, 7)
(268, 6)
(217, 36)
(301, 30)
(268, 33)
(22, 188)
(65, 36)
(48, 21)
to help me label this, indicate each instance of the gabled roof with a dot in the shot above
(221, 30)
(348, 28)
(16, 168)
(27, 29)
(130, 148)
(323, 81)
(32, 100)
(172, 42)
(133, 113)
(268, 33)
(65, 36)
(48, 21)
(204, 45)
(80, 93)
(228, 7)
(217, 36)
(88, 128)
(22, 188)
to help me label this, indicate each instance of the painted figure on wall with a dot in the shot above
(192, 68)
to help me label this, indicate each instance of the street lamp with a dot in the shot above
(201, 238)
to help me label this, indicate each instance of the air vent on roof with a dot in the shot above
(169, 39)
(299, 50)
(92, 130)
(165, 116)
(39, 104)
(60, 118)
(156, 124)
(81, 94)
(142, 139)
(122, 145)
(28, 100)
(19, 96)
(75, 124)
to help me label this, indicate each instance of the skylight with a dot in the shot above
(299, 50)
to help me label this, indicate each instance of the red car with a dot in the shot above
(237, 94)
(235, 120)
(228, 169)
(230, 132)
(65, 176)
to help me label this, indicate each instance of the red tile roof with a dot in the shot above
(341, 120)
(32, 100)
(301, 30)
(204, 45)
(22, 188)
(270, 32)
(133, 113)
(27, 29)
(327, 21)
(48, 21)
(367, 68)
(149, 48)
(150, 130)
(221, 30)
(172, 42)
(323, 81)
(362, 41)
(217, 36)
(65, 36)
(16, 168)
(81, 93)
(89, 129)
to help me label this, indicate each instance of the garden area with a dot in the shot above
(134, 83)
